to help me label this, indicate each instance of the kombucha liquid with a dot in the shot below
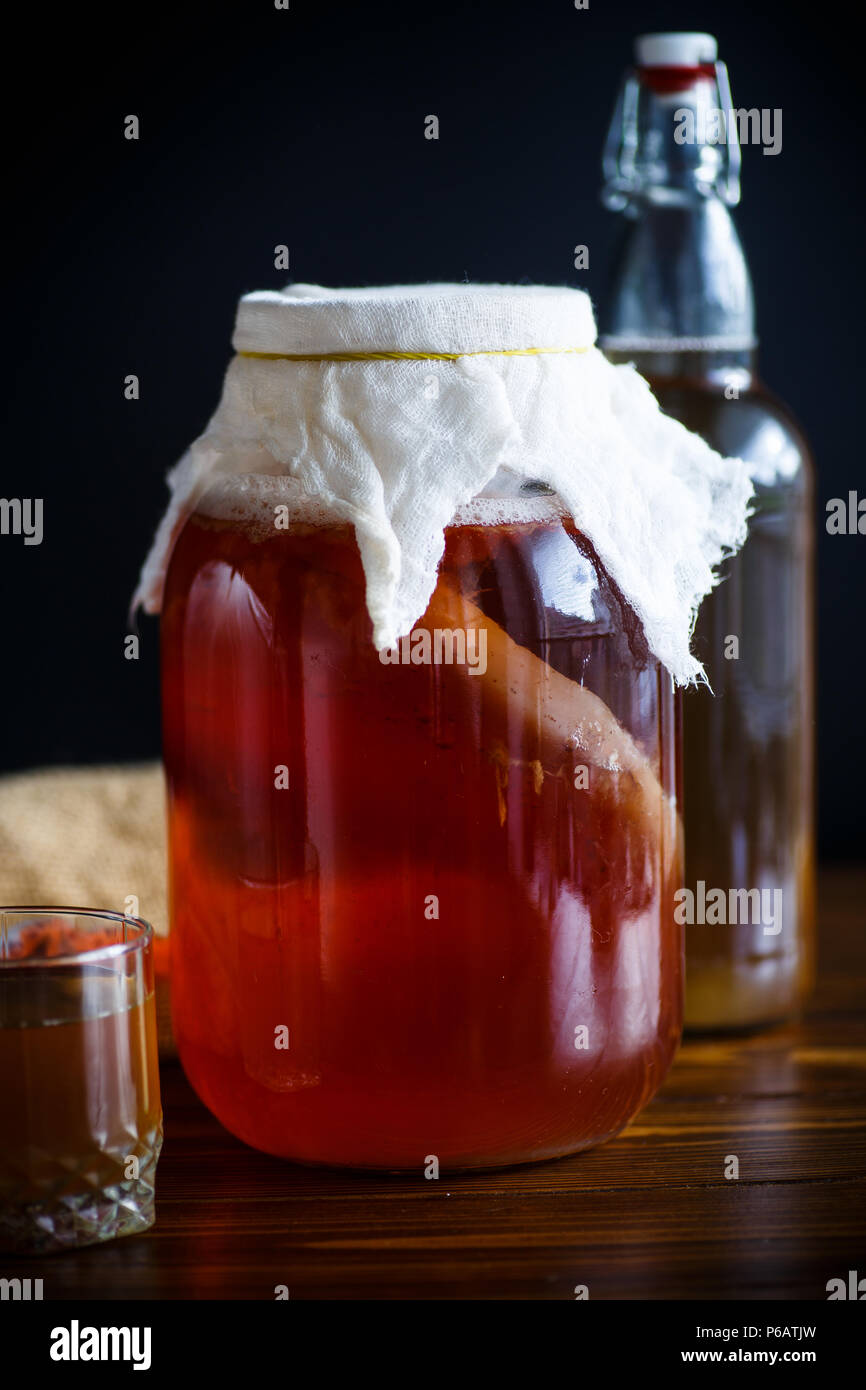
(390, 867)
(748, 748)
(86, 1047)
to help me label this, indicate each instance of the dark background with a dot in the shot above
(305, 127)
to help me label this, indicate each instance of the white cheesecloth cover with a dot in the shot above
(398, 445)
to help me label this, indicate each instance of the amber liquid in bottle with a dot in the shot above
(748, 773)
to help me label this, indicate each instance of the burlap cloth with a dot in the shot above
(90, 837)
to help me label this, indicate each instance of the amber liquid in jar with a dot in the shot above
(419, 907)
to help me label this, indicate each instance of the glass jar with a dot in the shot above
(421, 899)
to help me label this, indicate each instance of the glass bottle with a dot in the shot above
(680, 308)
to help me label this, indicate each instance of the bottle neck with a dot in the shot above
(680, 291)
(680, 284)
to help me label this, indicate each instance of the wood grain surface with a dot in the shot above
(648, 1216)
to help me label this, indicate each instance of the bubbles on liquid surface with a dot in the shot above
(250, 500)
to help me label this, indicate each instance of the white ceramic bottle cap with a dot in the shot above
(674, 50)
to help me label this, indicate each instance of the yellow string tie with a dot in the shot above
(403, 356)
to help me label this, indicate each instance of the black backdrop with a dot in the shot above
(262, 126)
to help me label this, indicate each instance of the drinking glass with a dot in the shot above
(80, 1115)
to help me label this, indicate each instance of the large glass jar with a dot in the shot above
(421, 900)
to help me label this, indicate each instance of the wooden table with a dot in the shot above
(648, 1216)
